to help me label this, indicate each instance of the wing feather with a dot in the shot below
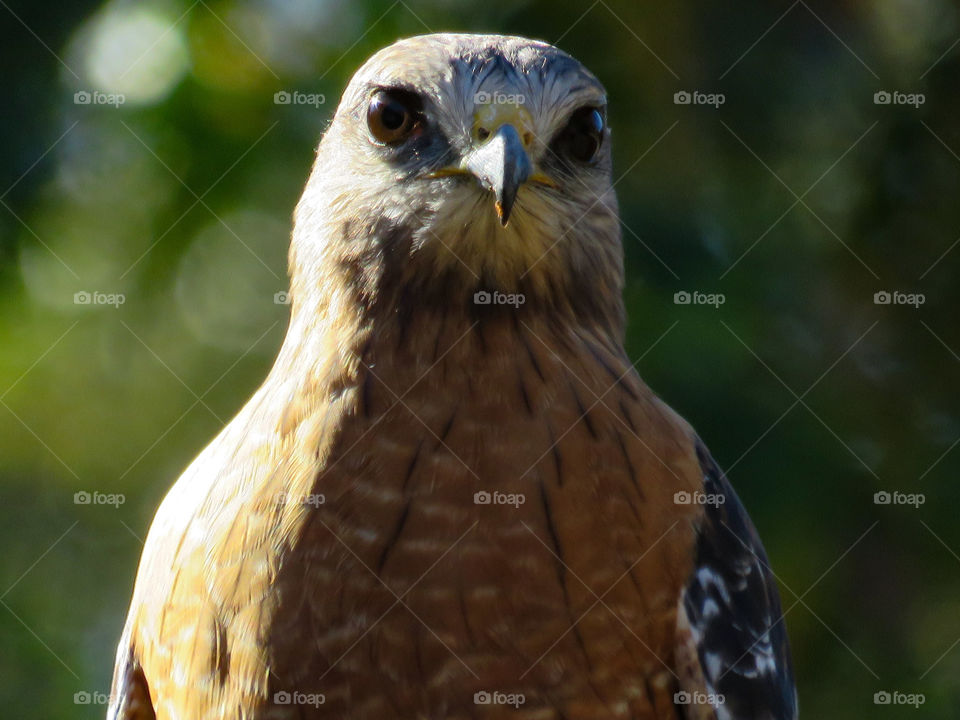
(732, 612)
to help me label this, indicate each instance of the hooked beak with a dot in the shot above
(502, 166)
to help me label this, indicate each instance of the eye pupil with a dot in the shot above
(393, 115)
(584, 146)
(582, 137)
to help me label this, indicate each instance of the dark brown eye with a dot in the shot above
(582, 137)
(393, 115)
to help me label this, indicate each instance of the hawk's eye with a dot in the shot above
(393, 115)
(582, 136)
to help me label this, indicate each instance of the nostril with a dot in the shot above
(483, 133)
(527, 139)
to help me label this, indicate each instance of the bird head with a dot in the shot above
(464, 163)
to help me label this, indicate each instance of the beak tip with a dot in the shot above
(503, 214)
(501, 165)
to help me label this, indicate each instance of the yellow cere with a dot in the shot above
(490, 117)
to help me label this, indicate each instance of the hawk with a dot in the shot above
(453, 496)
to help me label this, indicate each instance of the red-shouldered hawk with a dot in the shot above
(453, 496)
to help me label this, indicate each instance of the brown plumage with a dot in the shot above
(435, 495)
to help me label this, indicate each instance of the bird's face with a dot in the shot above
(486, 158)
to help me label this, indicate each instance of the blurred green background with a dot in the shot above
(798, 199)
